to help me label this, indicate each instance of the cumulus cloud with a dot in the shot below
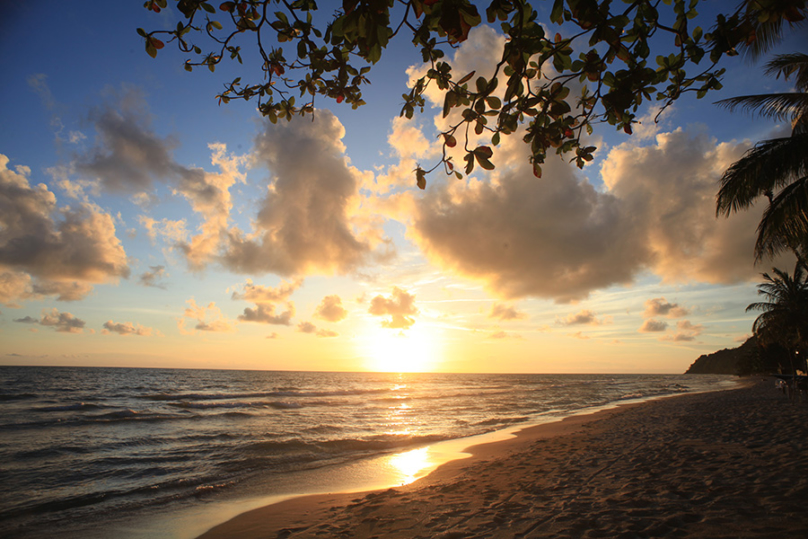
(554, 237)
(506, 312)
(209, 196)
(410, 145)
(174, 231)
(653, 326)
(18, 286)
(208, 319)
(306, 327)
(153, 278)
(661, 307)
(265, 294)
(686, 332)
(584, 317)
(265, 299)
(669, 187)
(305, 224)
(45, 250)
(128, 157)
(558, 237)
(264, 313)
(62, 322)
(331, 309)
(399, 307)
(126, 328)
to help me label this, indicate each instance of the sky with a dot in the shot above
(142, 224)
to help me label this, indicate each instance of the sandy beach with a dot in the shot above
(722, 464)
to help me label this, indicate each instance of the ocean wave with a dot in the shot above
(261, 394)
(69, 407)
(133, 415)
(17, 396)
(500, 421)
(279, 405)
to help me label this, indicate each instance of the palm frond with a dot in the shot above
(764, 169)
(785, 223)
(767, 23)
(784, 106)
(795, 64)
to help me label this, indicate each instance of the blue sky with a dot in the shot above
(171, 231)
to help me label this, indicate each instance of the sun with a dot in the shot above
(413, 350)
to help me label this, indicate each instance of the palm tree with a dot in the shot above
(776, 168)
(784, 314)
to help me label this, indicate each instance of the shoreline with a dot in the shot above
(393, 512)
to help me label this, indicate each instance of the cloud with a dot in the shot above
(398, 308)
(554, 237)
(209, 196)
(558, 237)
(331, 309)
(126, 328)
(62, 322)
(686, 332)
(209, 319)
(62, 251)
(172, 231)
(127, 157)
(265, 294)
(64, 291)
(153, 278)
(653, 326)
(661, 307)
(505, 312)
(16, 286)
(265, 299)
(264, 313)
(584, 317)
(305, 224)
(579, 335)
(306, 327)
(669, 188)
(504, 335)
(39, 83)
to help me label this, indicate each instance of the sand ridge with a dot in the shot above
(723, 464)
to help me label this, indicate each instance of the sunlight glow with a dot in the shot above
(409, 464)
(412, 351)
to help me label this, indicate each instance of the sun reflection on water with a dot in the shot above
(411, 463)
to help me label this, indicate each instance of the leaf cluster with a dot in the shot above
(607, 50)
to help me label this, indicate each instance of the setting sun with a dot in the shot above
(412, 351)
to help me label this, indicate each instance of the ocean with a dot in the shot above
(118, 452)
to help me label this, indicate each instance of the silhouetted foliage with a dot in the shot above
(783, 321)
(621, 54)
(776, 169)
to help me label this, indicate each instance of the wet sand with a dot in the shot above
(723, 464)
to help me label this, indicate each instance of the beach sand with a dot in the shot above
(723, 464)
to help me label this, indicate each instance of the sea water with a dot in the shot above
(83, 450)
